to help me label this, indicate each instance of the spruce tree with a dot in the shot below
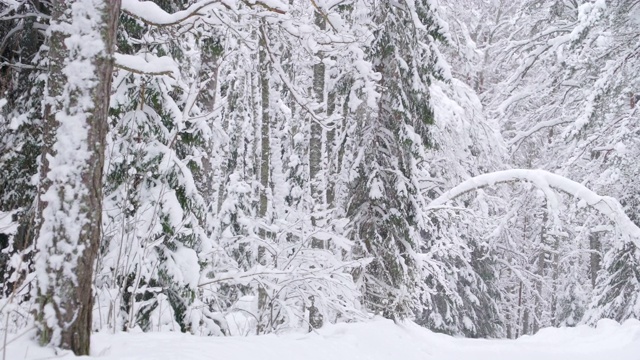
(385, 203)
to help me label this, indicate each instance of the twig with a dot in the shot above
(263, 5)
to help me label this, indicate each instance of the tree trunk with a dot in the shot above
(541, 271)
(332, 163)
(266, 123)
(594, 261)
(70, 191)
(554, 285)
(316, 173)
(265, 144)
(209, 69)
(519, 326)
(265, 164)
(315, 142)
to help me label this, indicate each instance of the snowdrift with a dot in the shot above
(375, 340)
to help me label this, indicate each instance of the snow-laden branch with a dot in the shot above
(545, 181)
(537, 127)
(244, 277)
(151, 14)
(153, 65)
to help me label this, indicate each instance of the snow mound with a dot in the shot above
(375, 340)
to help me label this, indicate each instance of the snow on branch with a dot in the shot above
(545, 181)
(153, 65)
(271, 5)
(151, 14)
(537, 127)
(244, 277)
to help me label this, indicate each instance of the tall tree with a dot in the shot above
(81, 44)
(21, 126)
(569, 106)
(385, 202)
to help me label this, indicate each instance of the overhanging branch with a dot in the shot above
(544, 180)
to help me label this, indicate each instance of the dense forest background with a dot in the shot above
(271, 165)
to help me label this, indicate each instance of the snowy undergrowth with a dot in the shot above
(377, 339)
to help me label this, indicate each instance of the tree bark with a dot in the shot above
(265, 154)
(70, 191)
(315, 143)
(594, 258)
(316, 171)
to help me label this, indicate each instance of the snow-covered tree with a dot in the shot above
(81, 39)
(569, 107)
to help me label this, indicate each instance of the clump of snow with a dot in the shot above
(7, 225)
(151, 64)
(182, 265)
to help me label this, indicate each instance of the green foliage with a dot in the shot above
(385, 201)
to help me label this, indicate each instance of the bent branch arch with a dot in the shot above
(546, 181)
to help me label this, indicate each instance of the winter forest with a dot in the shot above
(248, 167)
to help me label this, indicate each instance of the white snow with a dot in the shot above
(150, 12)
(374, 340)
(7, 225)
(151, 65)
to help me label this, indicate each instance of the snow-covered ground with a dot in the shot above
(378, 339)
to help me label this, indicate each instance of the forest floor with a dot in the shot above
(378, 339)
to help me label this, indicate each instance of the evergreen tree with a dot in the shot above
(385, 202)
